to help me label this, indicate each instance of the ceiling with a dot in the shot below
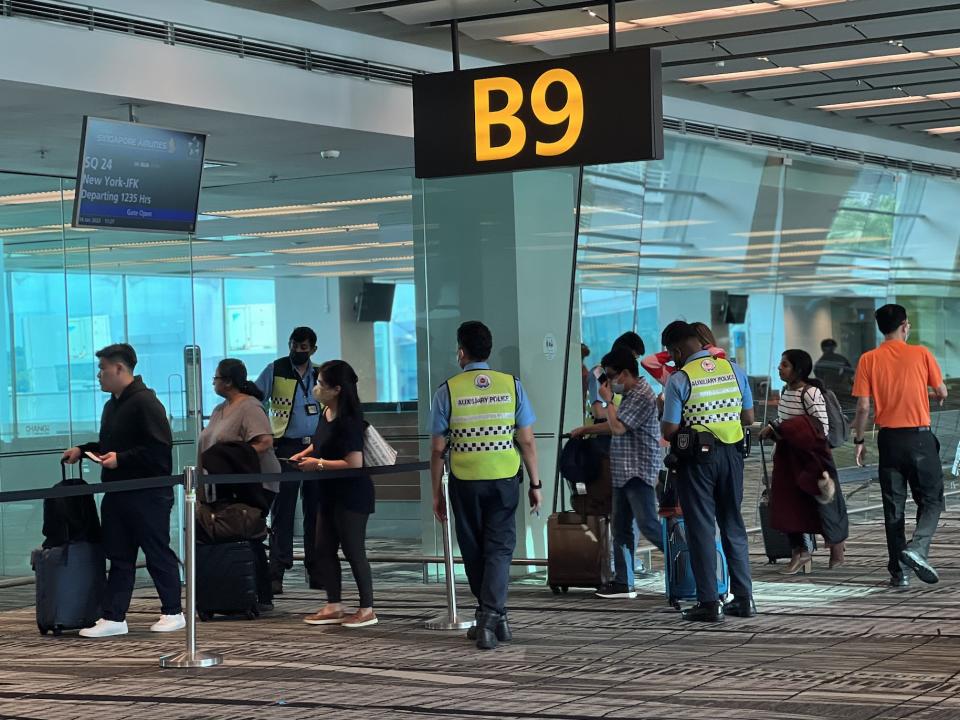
(899, 59)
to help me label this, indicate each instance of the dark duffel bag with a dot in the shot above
(69, 586)
(227, 580)
(227, 521)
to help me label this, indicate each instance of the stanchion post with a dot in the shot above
(190, 658)
(450, 621)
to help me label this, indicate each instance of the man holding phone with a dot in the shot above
(135, 442)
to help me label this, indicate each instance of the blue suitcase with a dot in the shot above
(678, 574)
(70, 585)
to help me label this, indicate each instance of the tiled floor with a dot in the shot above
(836, 644)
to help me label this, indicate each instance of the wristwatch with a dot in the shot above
(536, 487)
(861, 441)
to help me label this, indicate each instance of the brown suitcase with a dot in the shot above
(577, 551)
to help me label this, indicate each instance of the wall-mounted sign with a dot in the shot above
(583, 110)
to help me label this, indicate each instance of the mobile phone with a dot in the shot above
(288, 460)
(94, 458)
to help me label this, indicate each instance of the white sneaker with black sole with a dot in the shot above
(615, 590)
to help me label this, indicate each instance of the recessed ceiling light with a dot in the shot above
(318, 230)
(37, 197)
(326, 206)
(944, 130)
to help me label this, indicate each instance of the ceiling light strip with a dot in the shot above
(823, 66)
(659, 21)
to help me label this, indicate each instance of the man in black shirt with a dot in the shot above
(135, 442)
(834, 370)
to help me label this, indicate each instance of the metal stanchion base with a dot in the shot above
(191, 660)
(444, 622)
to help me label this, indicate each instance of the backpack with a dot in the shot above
(839, 425)
(70, 519)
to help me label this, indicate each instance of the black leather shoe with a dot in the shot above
(704, 612)
(486, 630)
(740, 607)
(916, 562)
(503, 632)
(472, 632)
(899, 581)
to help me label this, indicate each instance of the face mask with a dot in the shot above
(617, 388)
(299, 358)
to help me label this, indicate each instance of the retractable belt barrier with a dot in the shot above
(191, 657)
(163, 481)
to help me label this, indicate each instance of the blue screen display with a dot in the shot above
(138, 177)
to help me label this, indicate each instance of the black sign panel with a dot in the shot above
(583, 110)
(138, 177)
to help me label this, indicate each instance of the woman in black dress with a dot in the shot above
(345, 503)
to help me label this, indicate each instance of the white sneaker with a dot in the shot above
(105, 628)
(169, 623)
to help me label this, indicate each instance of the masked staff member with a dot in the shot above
(706, 404)
(487, 416)
(287, 384)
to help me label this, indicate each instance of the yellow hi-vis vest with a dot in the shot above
(281, 395)
(483, 412)
(715, 399)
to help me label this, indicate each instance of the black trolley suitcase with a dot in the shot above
(70, 567)
(776, 544)
(227, 580)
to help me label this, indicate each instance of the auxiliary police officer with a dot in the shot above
(487, 416)
(706, 405)
(287, 383)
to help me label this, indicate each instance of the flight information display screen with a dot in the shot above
(138, 177)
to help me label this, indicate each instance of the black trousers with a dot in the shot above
(909, 457)
(339, 528)
(711, 491)
(135, 520)
(484, 513)
(284, 512)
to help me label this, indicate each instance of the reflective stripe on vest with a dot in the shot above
(281, 404)
(715, 399)
(483, 411)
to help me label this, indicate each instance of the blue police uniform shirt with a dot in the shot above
(677, 390)
(440, 409)
(593, 387)
(301, 425)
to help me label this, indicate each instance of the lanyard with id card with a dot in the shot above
(310, 408)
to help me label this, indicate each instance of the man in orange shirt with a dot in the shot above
(896, 376)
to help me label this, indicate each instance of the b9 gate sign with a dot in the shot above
(583, 110)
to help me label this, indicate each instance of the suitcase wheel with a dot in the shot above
(204, 616)
(555, 589)
(57, 630)
(675, 605)
(566, 589)
(771, 560)
(252, 614)
(43, 630)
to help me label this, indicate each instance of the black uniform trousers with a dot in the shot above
(710, 492)
(484, 513)
(284, 512)
(909, 457)
(135, 520)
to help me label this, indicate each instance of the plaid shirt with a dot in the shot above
(636, 453)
